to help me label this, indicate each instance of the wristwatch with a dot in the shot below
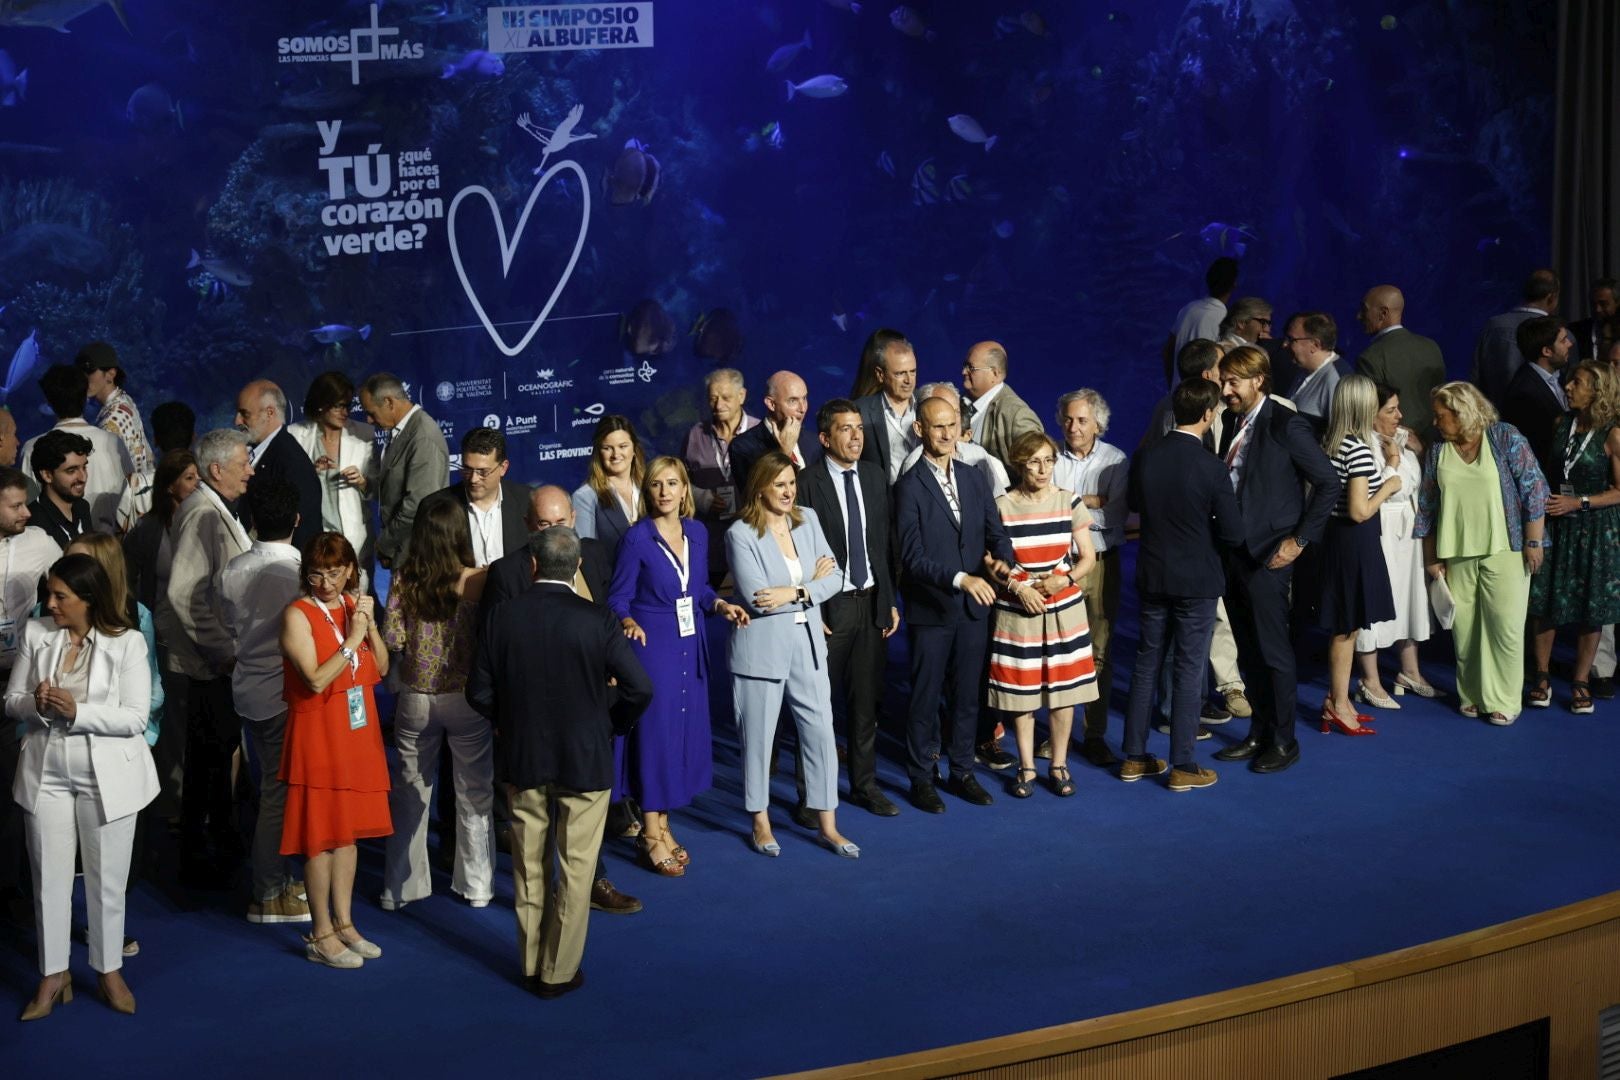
(1586, 502)
(348, 653)
(1302, 542)
(1532, 543)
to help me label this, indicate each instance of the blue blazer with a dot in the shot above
(1185, 500)
(1282, 458)
(934, 547)
(762, 648)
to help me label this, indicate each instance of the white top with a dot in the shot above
(106, 477)
(1238, 452)
(255, 588)
(24, 560)
(488, 543)
(974, 455)
(902, 435)
(1200, 318)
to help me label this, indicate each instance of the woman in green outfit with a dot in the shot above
(1580, 581)
(1481, 512)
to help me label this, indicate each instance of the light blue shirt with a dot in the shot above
(1104, 472)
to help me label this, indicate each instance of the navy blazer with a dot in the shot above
(1282, 458)
(1187, 509)
(935, 547)
(283, 457)
(819, 491)
(1532, 407)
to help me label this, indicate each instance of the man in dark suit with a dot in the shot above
(948, 529)
(889, 416)
(415, 461)
(787, 403)
(495, 506)
(1270, 456)
(1398, 358)
(1535, 395)
(1588, 333)
(1187, 508)
(542, 675)
(850, 496)
(1496, 356)
(261, 414)
(511, 575)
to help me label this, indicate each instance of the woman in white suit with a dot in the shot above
(783, 569)
(344, 451)
(82, 689)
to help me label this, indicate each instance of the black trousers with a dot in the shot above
(947, 663)
(213, 732)
(1257, 604)
(855, 658)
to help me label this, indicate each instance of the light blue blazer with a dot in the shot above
(764, 647)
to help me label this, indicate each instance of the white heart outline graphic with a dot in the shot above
(508, 248)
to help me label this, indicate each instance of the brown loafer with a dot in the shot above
(604, 897)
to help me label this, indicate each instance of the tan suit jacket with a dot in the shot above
(204, 537)
(1008, 417)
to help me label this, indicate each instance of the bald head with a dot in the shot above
(261, 408)
(1381, 308)
(786, 397)
(549, 507)
(984, 369)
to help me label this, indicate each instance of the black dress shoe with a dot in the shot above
(1603, 687)
(806, 818)
(1096, 752)
(992, 756)
(1275, 759)
(925, 798)
(968, 789)
(874, 802)
(1243, 751)
(556, 990)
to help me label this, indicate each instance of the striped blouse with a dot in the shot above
(1355, 458)
(1042, 536)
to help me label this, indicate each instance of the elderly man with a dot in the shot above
(787, 403)
(968, 453)
(1496, 355)
(512, 575)
(495, 506)
(1409, 363)
(558, 678)
(1099, 475)
(889, 415)
(1310, 338)
(716, 483)
(206, 535)
(415, 462)
(66, 390)
(261, 415)
(995, 414)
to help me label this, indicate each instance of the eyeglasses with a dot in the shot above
(969, 369)
(479, 474)
(1296, 340)
(1047, 461)
(1262, 322)
(333, 576)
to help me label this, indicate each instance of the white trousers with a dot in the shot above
(423, 723)
(67, 819)
(1603, 666)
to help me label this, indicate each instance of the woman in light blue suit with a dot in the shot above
(784, 570)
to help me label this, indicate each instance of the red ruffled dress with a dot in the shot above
(336, 774)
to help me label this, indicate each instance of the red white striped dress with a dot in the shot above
(1043, 659)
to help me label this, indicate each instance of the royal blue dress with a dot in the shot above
(669, 753)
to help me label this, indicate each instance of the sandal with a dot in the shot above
(1540, 695)
(675, 849)
(346, 959)
(361, 948)
(668, 866)
(1021, 788)
(1580, 699)
(1062, 783)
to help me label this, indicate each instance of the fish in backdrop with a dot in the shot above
(1487, 242)
(885, 162)
(970, 130)
(717, 335)
(822, 86)
(13, 83)
(478, 62)
(225, 271)
(908, 22)
(648, 330)
(151, 108)
(23, 361)
(783, 58)
(332, 333)
(633, 175)
(1231, 239)
(925, 184)
(845, 5)
(770, 135)
(55, 14)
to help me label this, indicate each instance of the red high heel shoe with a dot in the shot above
(1331, 722)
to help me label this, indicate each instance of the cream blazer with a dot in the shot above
(113, 717)
(357, 446)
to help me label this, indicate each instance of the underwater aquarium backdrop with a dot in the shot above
(536, 215)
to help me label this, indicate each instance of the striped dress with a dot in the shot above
(1043, 659)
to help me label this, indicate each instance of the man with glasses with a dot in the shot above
(495, 506)
(992, 412)
(261, 415)
(1409, 363)
(1310, 339)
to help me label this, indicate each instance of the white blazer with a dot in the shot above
(113, 718)
(357, 446)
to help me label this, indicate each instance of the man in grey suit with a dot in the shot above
(1496, 356)
(889, 415)
(995, 414)
(415, 463)
(1310, 338)
(1398, 358)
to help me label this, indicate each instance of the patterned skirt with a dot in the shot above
(1043, 659)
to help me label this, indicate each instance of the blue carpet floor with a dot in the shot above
(976, 923)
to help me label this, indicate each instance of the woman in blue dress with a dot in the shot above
(660, 587)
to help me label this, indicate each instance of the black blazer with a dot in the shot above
(514, 510)
(1583, 331)
(513, 573)
(1530, 406)
(1187, 508)
(817, 490)
(541, 674)
(876, 447)
(43, 512)
(1282, 458)
(935, 547)
(283, 457)
(757, 441)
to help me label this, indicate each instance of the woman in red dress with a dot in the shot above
(332, 762)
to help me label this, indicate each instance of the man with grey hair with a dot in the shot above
(787, 403)
(995, 415)
(716, 482)
(206, 535)
(1098, 474)
(261, 415)
(542, 673)
(415, 461)
(967, 452)
(890, 414)
(1247, 322)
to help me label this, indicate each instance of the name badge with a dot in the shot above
(686, 616)
(1567, 490)
(357, 708)
(8, 640)
(729, 494)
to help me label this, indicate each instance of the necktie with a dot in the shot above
(968, 411)
(857, 535)
(1237, 441)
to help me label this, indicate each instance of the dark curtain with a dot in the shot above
(1586, 177)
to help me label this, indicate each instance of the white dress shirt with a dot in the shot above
(1238, 452)
(26, 558)
(488, 542)
(973, 455)
(902, 435)
(257, 452)
(1199, 319)
(399, 427)
(1104, 472)
(254, 589)
(837, 471)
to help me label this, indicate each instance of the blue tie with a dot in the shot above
(857, 536)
